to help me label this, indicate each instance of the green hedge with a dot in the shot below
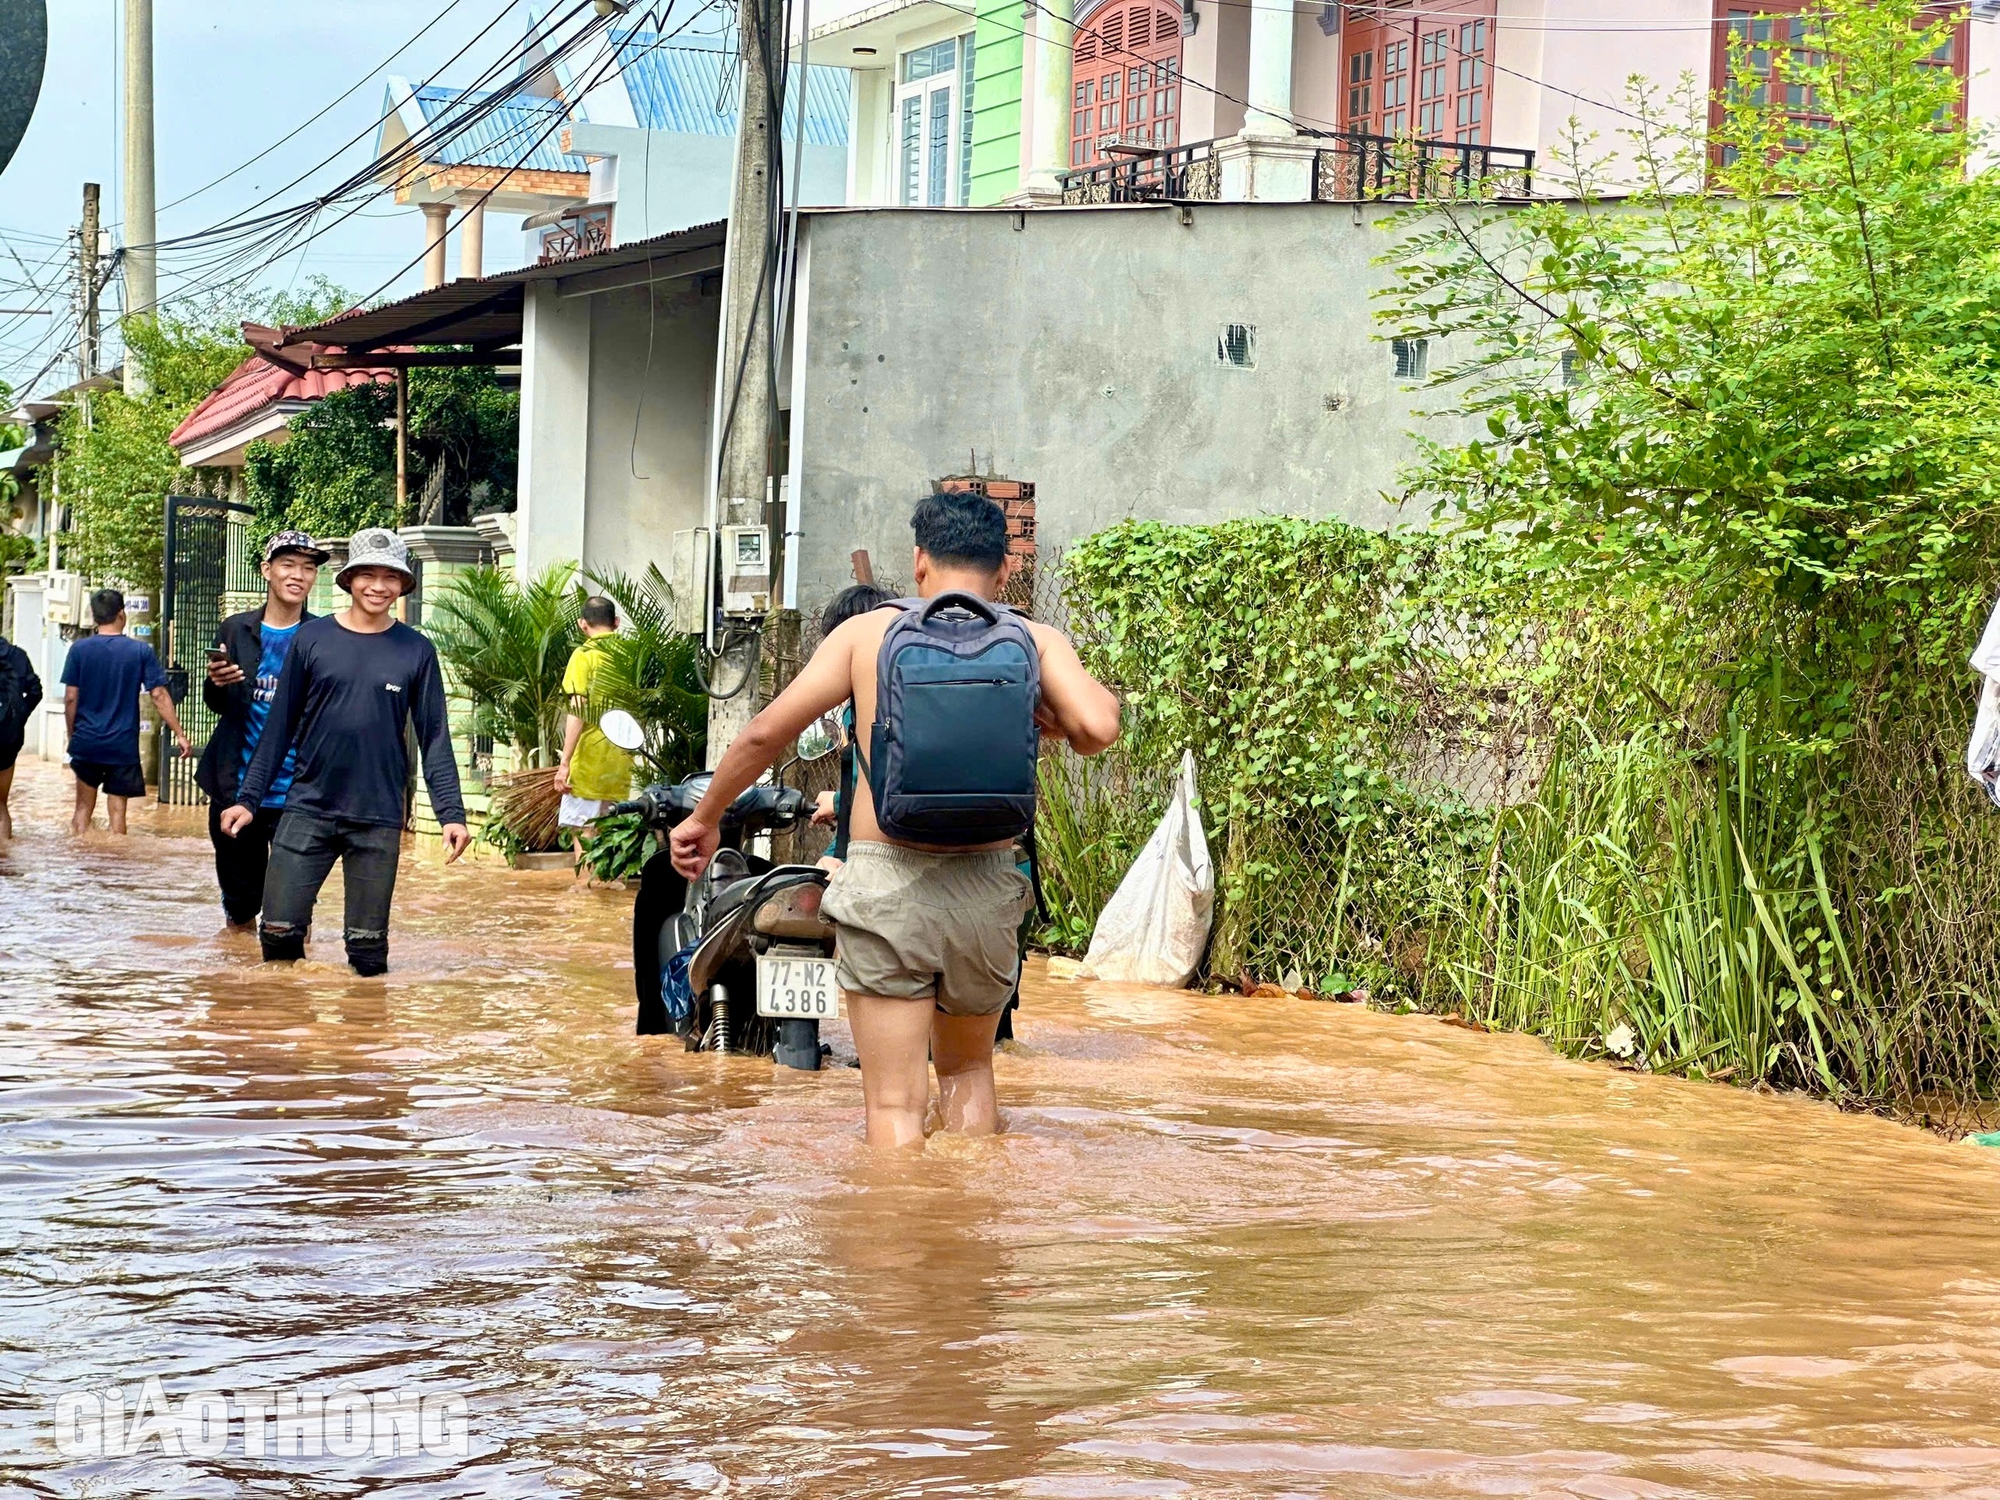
(1438, 779)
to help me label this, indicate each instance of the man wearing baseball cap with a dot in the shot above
(243, 667)
(351, 685)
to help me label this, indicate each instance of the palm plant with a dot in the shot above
(505, 645)
(649, 671)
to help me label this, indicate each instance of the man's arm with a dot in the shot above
(31, 690)
(163, 701)
(69, 712)
(572, 732)
(826, 682)
(1079, 707)
(433, 726)
(226, 688)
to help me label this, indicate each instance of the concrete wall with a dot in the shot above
(651, 384)
(1079, 352)
(555, 426)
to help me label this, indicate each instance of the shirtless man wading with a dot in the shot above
(927, 953)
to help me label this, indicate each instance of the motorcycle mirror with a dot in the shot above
(818, 741)
(622, 730)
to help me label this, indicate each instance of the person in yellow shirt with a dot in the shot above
(593, 773)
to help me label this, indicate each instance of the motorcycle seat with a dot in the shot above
(773, 882)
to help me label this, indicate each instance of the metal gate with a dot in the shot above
(207, 561)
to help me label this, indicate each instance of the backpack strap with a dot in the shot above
(843, 800)
(1035, 876)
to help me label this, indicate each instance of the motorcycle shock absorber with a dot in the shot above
(718, 1023)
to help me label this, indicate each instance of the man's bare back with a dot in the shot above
(862, 650)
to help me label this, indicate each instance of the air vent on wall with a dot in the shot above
(1236, 346)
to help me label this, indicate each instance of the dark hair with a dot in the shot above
(961, 530)
(600, 613)
(106, 605)
(855, 599)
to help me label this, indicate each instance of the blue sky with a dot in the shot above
(230, 78)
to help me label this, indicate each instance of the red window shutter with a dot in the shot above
(1135, 46)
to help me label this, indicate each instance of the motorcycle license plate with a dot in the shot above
(796, 987)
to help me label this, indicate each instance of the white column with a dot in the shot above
(555, 428)
(472, 242)
(436, 216)
(1049, 148)
(1270, 71)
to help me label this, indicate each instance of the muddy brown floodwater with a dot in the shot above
(1225, 1247)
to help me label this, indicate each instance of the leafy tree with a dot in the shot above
(1735, 441)
(461, 417)
(1776, 397)
(114, 467)
(336, 471)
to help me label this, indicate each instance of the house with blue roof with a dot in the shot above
(631, 138)
(660, 130)
(460, 154)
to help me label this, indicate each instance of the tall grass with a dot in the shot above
(1685, 900)
(1094, 817)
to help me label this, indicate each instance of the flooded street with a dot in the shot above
(1226, 1247)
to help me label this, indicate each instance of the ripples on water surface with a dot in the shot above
(1226, 1247)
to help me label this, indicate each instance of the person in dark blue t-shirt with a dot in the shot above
(243, 668)
(103, 677)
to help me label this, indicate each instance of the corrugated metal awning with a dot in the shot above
(486, 312)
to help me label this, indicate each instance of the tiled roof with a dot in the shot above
(675, 84)
(256, 384)
(524, 130)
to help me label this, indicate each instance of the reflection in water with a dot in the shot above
(1226, 1247)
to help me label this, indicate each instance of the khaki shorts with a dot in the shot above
(918, 925)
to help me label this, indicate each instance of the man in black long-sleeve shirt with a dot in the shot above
(351, 682)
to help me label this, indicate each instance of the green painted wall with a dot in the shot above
(996, 101)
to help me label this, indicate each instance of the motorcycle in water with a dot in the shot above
(740, 959)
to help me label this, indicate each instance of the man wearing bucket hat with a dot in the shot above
(243, 667)
(351, 685)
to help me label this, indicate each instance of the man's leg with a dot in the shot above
(892, 1037)
(240, 864)
(303, 850)
(6, 814)
(962, 1049)
(368, 870)
(114, 812)
(86, 804)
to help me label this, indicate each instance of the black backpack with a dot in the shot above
(951, 756)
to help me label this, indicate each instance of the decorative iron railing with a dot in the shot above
(581, 232)
(1173, 172)
(1352, 167)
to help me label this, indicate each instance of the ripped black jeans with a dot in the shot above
(303, 850)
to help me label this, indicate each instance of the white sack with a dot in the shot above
(1982, 753)
(1155, 926)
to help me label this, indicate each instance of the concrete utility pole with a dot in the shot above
(745, 356)
(86, 285)
(142, 288)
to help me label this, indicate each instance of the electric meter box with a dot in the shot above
(746, 570)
